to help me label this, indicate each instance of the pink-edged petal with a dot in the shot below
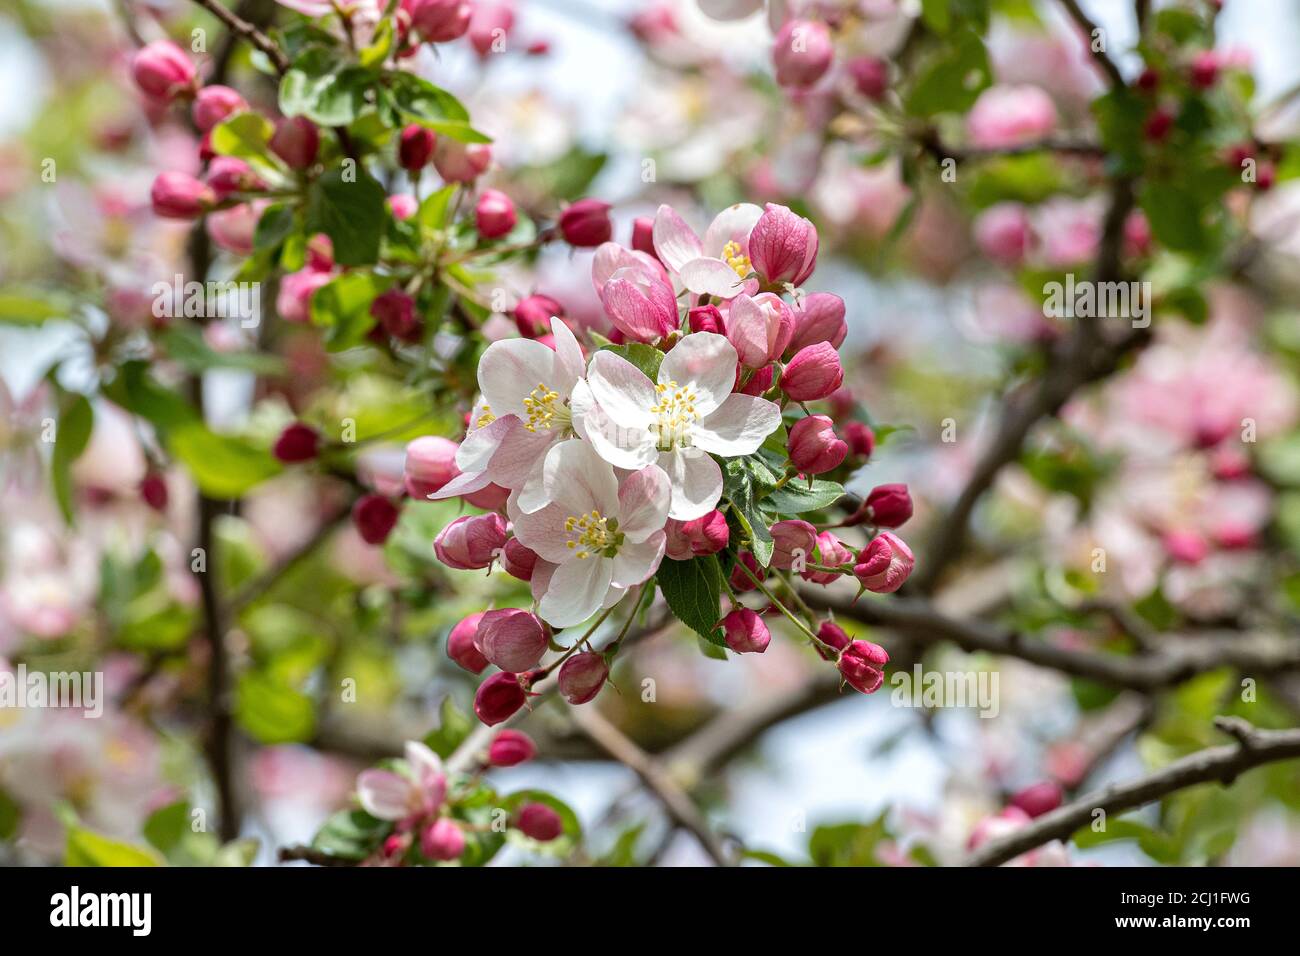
(706, 276)
(636, 561)
(621, 389)
(675, 242)
(569, 363)
(580, 480)
(707, 362)
(622, 447)
(697, 482)
(737, 427)
(466, 483)
(541, 579)
(422, 760)
(610, 257)
(576, 591)
(532, 495)
(510, 369)
(384, 794)
(544, 532)
(518, 454)
(643, 499)
(476, 451)
(733, 224)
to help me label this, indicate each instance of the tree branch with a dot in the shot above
(250, 33)
(1253, 748)
(1090, 29)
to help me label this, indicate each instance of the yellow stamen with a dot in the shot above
(592, 534)
(544, 409)
(676, 414)
(735, 257)
(487, 418)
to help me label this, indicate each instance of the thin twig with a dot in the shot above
(1090, 30)
(250, 33)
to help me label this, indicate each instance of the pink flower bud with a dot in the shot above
(759, 382)
(471, 542)
(888, 506)
(1003, 233)
(708, 534)
(760, 328)
(540, 822)
(1185, 546)
(740, 581)
(180, 196)
(643, 228)
(814, 446)
(642, 305)
(582, 676)
(394, 310)
(745, 631)
(320, 253)
(512, 639)
(783, 246)
(794, 540)
(861, 664)
(518, 560)
(510, 748)
(212, 104)
(229, 174)
(495, 214)
(375, 517)
(403, 206)
(870, 75)
(415, 147)
(1158, 125)
(442, 840)
(861, 439)
(831, 633)
(832, 553)
(489, 26)
(461, 162)
(298, 442)
(1010, 116)
(498, 698)
(233, 229)
(461, 647)
(153, 491)
(162, 70)
(706, 318)
(533, 315)
(884, 564)
(438, 21)
(430, 464)
(1039, 798)
(491, 498)
(293, 301)
(1148, 80)
(802, 53)
(296, 140)
(819, 319)
(1204, 71)
(586, 224)
(814, 372)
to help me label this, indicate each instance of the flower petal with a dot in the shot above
(580, 480)
(576, 591)
(385, 794)
(544, 532)
(706, 361)
(569, 363)
(675, 242)
(630, 448)
(643, 503)
(635, 562)
(510, 369)
(697, 482)
(733, 224)
(737, 427)
(621, 389)
(711, 277)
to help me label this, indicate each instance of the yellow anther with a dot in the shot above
(592, 534)
(487, 418)
(544, 409)
(675, 414)
(734, 256)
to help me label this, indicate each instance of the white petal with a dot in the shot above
(422, 760)
(738, 426)
(643, 503)
(711, 277)
(576, 591)
(384, 794)
(466, 483)
(532, 495)
(510, 369)
(675, 242)
(541, 578)
(476, 451)
(569, 363)
(732, 224)
(636, 562)
(580, 480)
(706, 361)
(630, 448)
(697, 482)
(621, 389)
(543, 531)
(518, 454)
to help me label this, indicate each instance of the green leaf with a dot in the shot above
(797, 497)
(743, 479)
(342, 306)
(274, 226)
(1161, 847)
(432, 106)
(351, 212)
(32, 307)
(167, 826)
(315, 88)
(381, 44)
(435, 210)
(273, 713)
(222, 465)
(692, 589)
(136, 391)
(238, 852)
(952, 81)
(563, 844)
(247, 136)
(71, 435)
(1175, 216)
(452, 729)
(848, 844)
(185, 345)
(87, 848)
(10, 815)
(645, 357)
(351, 835)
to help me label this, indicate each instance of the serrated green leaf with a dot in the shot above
(692, 589)
(348, 206)
(796, 496)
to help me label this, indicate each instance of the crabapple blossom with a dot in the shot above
(1010, 116)
(375, 516)
(794, 540)
(706, 318)
(677, 421)
(442, 840)
(439, 21)
(415, 147)
(461, 162)
(641, 303)
(884, 564)
(783, 247)
(582, 676)
(298, 442)
(512, 639)
(162, 70)
(814, 373)
(760, 328)
(861, 439)
(499, 697)
(814, 447)
(831, 552)
(718, 265)
(518, 560)
(861, 665)
(430, 463)
(745, 632)
(533, 315)
(418, 788)
(471, 542)
(178, 195)
(296, 140)
(462, 647)
(819, 318)
(539, 822)
(586, 223)
(888, 506)
(494, 214)
(699, 536)
(212, 104)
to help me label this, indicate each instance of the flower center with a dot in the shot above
(592, 534)
(545, 409)
(675, 413)
(487, 418)
(735, 257)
